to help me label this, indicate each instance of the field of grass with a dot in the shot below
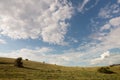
(42, 71)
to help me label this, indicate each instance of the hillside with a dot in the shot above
(42, 71)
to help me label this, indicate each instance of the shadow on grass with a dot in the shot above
(30, 68)
(5, 63)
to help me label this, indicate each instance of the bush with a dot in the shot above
(26, 59)
(105, 70)
(18, 62)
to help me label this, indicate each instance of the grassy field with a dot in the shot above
(41, 71)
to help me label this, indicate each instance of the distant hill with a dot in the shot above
(115, 65)
(42, 71)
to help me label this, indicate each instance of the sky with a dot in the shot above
(62, 32)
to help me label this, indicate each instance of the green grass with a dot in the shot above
(39, 71)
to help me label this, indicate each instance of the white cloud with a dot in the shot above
(2, 41)
(103, 41)
(105, 27)
(83, 54)
(81, 6)
(32, 54)
(35, 19)
(109, 11)
(105, 55)
(45, 54)
(104, 14)
(112, 36)
(110, 40)
(113, 23)
(107, 59)
(65, 58)
(102, 58)
(114, 59)
(118, 1)
(37, 50)
(73, 40)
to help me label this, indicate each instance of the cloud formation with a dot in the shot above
(45, 54)
(2, 41)
(35, 19)
(32, 54)
(102, 57)
(112, 38)
(81, 6)
(106, 39)
(109, 11)
(118, 1)
(107, 59)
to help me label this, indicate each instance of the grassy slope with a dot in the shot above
(40, 71)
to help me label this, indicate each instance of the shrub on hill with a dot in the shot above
(114, 65)
(105, 70)
(18, 62)
(26, 59)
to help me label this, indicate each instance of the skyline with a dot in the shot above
(63, 32)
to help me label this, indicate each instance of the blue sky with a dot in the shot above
(63, 32)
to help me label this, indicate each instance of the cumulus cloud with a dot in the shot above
(105, 55)
(35, 19)
(102, 57)
(106, 58)
(2, 41)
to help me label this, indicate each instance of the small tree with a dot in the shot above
(18, 62)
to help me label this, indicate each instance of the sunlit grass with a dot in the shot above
(42, 71)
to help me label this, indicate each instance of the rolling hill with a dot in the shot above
(43, 71)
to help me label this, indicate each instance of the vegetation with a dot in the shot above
(43, 71)
(18, 62)
(26, 59)
(105, 70)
